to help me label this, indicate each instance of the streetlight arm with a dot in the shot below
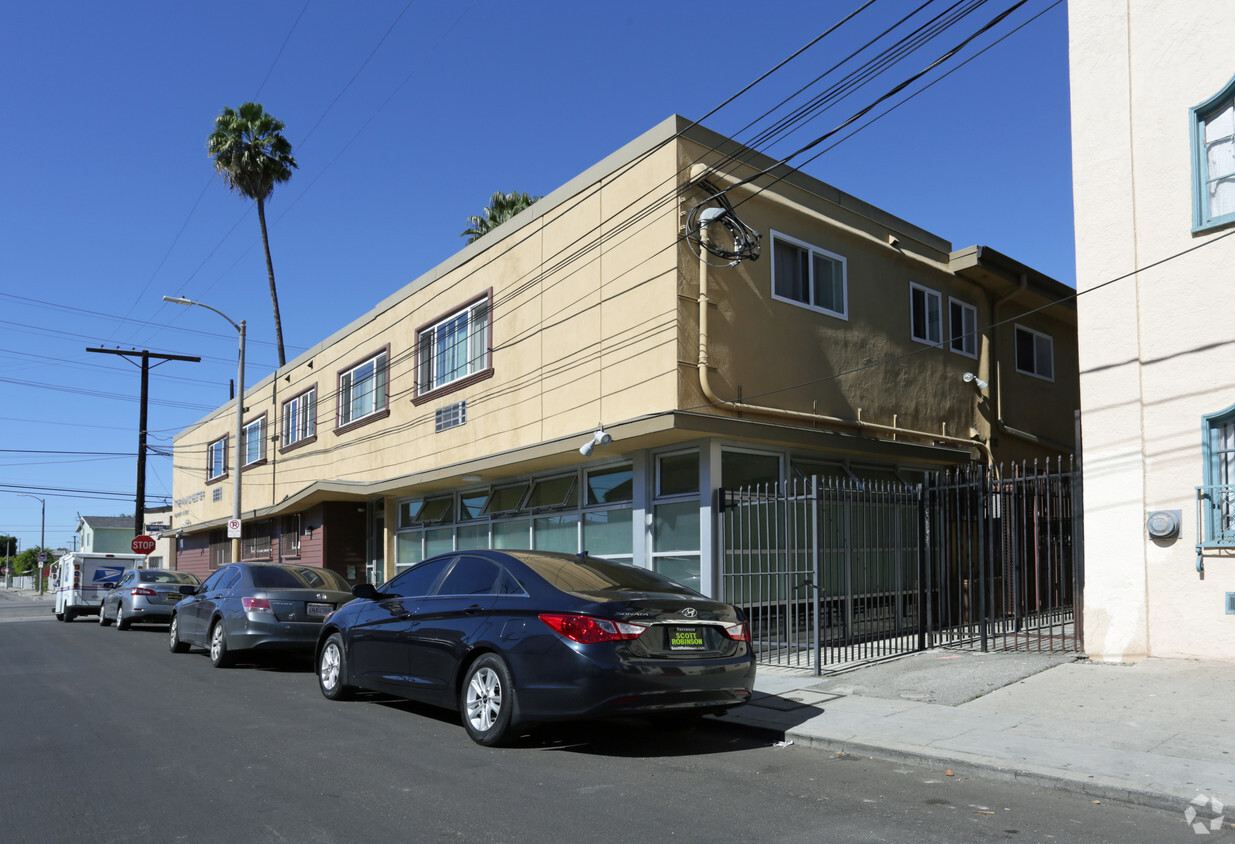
(177, 300)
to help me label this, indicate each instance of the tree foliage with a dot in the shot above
(502, 206)
(252, 156)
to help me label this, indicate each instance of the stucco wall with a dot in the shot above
(1155, 348)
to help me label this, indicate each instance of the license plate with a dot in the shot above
(173, 597)
(685, 639)
(319, 609)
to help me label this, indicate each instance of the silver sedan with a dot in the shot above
(144, 596)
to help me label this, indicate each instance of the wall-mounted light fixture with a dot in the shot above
(600, 437)
(970, 378)
(471, 479)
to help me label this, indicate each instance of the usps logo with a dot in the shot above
(107, 574)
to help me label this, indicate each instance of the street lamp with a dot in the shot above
(42, 527)
(239, 411)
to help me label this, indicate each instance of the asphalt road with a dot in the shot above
(106, 736)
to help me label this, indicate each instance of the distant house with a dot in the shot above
(105, 534)
(589, 374)
(1153, 137)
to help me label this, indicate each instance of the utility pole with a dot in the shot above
(139, 514)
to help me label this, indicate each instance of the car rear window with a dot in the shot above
(177, 577)
(594, 574)
(300, 577)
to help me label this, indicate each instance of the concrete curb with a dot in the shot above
(966, 764)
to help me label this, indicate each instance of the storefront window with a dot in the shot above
(473, 537)
(677, 474)
(439, 541)
(557, 533)
(742, 468)
(607, 533)
(610, 485)
(514, 534)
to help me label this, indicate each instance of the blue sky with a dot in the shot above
(404, 118)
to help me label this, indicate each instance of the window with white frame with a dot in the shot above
(300, 418)
(289, 536)
(216, 459)
(1213, 160)
(362, 390)
(253, 441)
(809, 276)
(453, 348)
(925, 314)
(963, 328)
(1035, 353)
(1217, 497)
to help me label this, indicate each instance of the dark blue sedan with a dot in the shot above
(512, 638)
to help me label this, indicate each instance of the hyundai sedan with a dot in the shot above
(511, 638)
(256, 607)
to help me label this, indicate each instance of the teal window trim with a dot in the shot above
(1215, 484)
(1201, 219)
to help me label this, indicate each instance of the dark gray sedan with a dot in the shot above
(256, 607)
(144, 596)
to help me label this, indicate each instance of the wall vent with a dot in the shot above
(450, 416)
(218, 494)
(1230, 603)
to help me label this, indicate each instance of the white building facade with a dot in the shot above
(1153, 131)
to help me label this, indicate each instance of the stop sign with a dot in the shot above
(142, 545)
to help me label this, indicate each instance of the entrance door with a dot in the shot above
(375, 541)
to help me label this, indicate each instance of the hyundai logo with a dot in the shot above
(690, 612)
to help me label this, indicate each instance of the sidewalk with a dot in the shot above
(1157, 733)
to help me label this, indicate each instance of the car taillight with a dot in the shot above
(587, 630)
(256, 605)
(142, 591)
(740, 632)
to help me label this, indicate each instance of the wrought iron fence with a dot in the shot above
(839, 570)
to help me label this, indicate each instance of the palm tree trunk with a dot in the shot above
(274, 294)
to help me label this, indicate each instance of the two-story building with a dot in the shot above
(586, 376)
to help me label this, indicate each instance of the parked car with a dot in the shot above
(144, 596)
(256, 607)
(511, 638)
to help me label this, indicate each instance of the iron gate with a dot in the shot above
(840, 570)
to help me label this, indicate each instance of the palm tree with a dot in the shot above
(252, 157)
(502, 206)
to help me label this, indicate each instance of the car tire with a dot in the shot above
(220, 656)
(69, 614)
(122, 623)
(487, 701)
(103, 620)
(173, 638)
(332, 670)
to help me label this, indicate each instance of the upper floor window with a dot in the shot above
(1035, 353)
(450, 349)
(963, 328)
(809, 276)
(300, 418)
(253, 441)
(216, 459)
(1217, 499)
(1213, 160)
(926, 314)
(362, 389)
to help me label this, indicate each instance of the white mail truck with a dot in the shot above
(80, 579)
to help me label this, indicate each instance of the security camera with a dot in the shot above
(600, 437)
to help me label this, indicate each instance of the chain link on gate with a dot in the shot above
(837, 570)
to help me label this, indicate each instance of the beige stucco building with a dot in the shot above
(464, 409)
(1154, 174)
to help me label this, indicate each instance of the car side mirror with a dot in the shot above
(109, 586)
(367, 591)
(187, 589)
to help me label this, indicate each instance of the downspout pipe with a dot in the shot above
(705, 385)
